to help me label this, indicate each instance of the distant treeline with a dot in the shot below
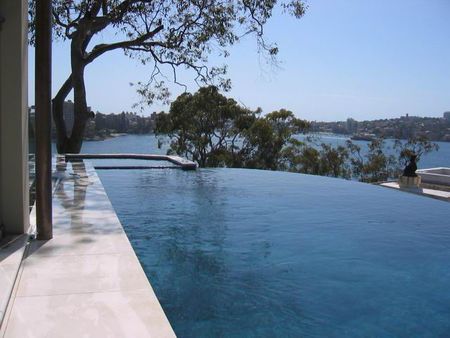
(405, 127)
(103, 125)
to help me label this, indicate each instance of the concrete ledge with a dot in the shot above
(438, 176)
(437, 194)
(11, 255)
(87, 280)
(179, 161)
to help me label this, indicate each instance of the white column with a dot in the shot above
(14, 199)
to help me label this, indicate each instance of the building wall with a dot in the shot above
(14, 211)
(68, 113)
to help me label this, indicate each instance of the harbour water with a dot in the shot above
(149, 144)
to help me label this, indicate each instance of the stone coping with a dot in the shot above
(437, 194)
(436, 176)
(183, 163)
(11, 255)
(87, 280)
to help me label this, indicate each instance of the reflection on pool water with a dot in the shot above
(247, 253)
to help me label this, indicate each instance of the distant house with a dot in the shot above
(68, 114)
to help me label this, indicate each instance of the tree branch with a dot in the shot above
(103, 48)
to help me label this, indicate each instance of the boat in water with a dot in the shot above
(363, 137)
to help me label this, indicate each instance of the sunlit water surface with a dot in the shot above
(248, 253)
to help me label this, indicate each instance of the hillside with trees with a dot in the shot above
(106, 125)
(215, 131)
(405, 127)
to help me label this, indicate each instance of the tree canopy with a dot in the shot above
(214, 130)
(266, 139)
(162, 33)
(205, 126)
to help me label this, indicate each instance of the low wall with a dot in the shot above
(439, 176)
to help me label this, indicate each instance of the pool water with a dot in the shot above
(248, 253)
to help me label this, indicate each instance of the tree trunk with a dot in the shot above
(58, 115)
(64, 143)
(81, 114)
(73, 143)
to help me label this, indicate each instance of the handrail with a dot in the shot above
(179, 161)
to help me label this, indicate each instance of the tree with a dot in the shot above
(215, 131)
(375, 165)
(176, 33)
(334, 161)
(302, 158)
(204, 126)
(378, 165)
(414, 146)
(267, 138)
(324, 159)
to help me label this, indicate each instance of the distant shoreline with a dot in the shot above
(319, 134)
(109, 136)
(436, 129)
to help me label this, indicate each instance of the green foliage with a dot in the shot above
(264, 142)
(165, 34)
(323, 160)
(414, 146)
(215, 131)
(205, 126)
(333, 161)
(375, 165)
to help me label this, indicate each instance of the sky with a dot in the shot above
(363, 59)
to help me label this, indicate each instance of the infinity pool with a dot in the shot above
(248, 253)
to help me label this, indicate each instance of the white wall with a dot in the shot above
(14, 211)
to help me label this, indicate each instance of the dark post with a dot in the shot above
(43, 74)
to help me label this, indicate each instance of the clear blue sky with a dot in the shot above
(364, 59)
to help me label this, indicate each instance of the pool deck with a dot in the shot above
(87, 280)
(177, 160)
(433, 193)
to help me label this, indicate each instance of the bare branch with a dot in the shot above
(103, 48)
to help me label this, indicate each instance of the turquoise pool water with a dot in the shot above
(247, 253)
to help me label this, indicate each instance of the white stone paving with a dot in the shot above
(87, 280)
(438, 194)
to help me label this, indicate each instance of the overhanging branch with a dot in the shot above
(103, 48)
